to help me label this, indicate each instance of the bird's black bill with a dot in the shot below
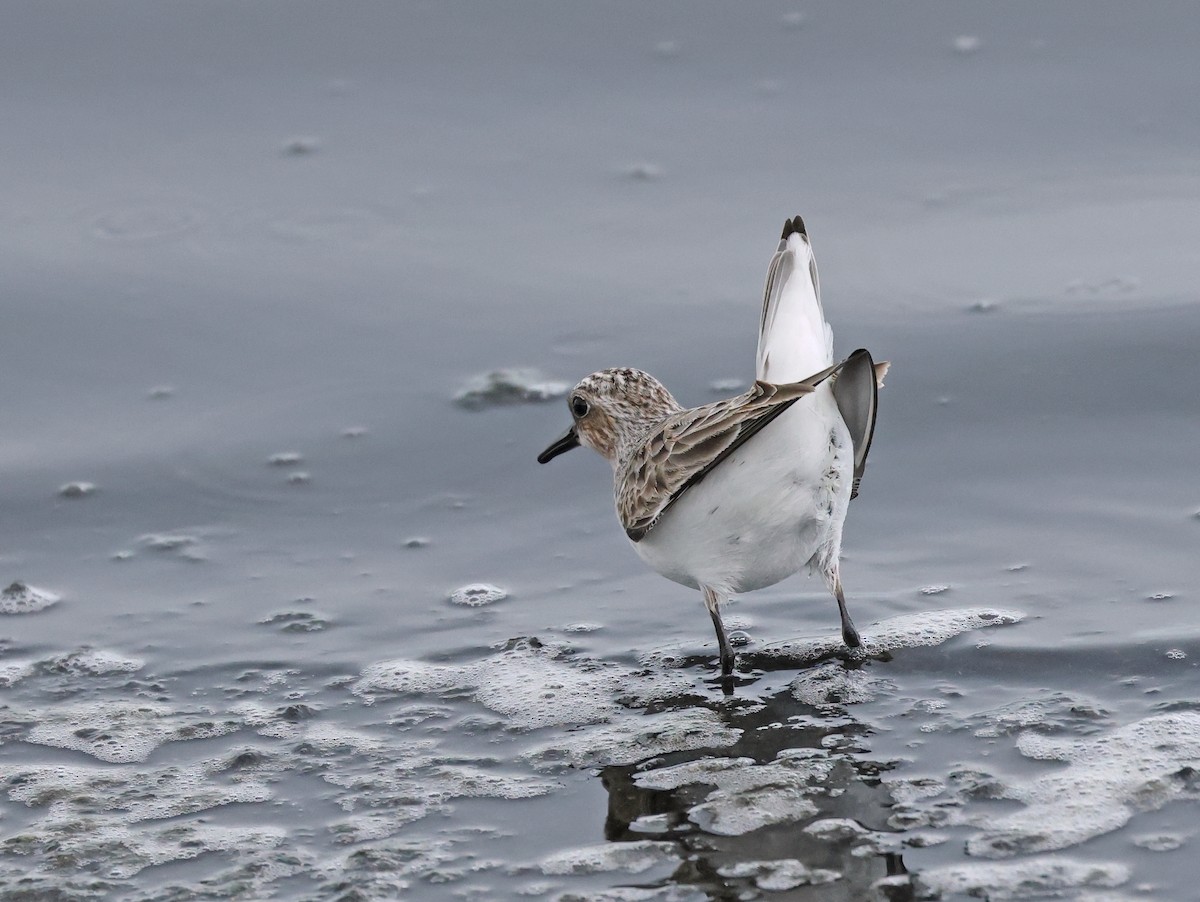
(568, 440)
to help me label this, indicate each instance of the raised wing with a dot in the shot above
(794, 340)
(681, 452)
(856, 390)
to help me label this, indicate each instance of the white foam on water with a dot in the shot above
(830, 683)
(651, 823)
(636, 738)
(13, 671)
(164, 542)
(1108, 778)
(1023, 879)
(77, 489)
(746, 795)
(669, 893)
(737, 813)
(631, 857)
(1160, 842)
(457, 781)
(534, 688)
(415, 677)
(384, 870)
(119, 820)
(508, 386)
(533, 685)
(706, 770)
(1048, 711)
(95, 662)
(477, 595)
(780, 874)
(925, 628)
(838, 829)
(20, 598)
(122, 732)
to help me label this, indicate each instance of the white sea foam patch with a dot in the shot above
(387, 870)
(531, 684)
(1108, 778)
(903, 631)
(123, 732)
(636, 738)
(508, 386)
(780, 874)
(830, 683)
(20, 598)
(631, 857)
(1050, 711)
(1030, 878)
(13, 671)
(745, 795)
(123, 819)
(95, 662)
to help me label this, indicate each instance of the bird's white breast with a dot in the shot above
(764, 512)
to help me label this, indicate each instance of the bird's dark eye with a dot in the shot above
(579, 406)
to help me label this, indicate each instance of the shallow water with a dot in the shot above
(254, 257)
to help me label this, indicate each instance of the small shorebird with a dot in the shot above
(742, 493)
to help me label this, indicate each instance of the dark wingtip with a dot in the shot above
(637, 533)
(791, 226)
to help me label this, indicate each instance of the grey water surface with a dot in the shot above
(286, 620)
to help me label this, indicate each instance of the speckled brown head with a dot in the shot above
(613, 411)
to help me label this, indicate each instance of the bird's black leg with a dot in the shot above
(712, 601)
(849, 633)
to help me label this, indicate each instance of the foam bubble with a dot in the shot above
(532, 684)
(95, 662)
(1139, 767)
(632, 857)
(20, 598)
(1048, 712)
(747, 796)
(164, 542)
(414, 677)
(637, 739)
(12, 672)
(780, 874)
(1022, 879)
(477, 595)
(735, 814)
(508, 386)
(838, 829)
(121, 732)
(296, 622)
(1160, 842)
(285, 459)
(113, 816)
(77, 489)
(453, 781)
(583, 626)
(925, 628)
(831, 683)
(702, 770)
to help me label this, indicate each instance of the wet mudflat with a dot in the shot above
(291, 612)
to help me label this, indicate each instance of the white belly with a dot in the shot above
(770, 508)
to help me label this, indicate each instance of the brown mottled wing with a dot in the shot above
(682, 451)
